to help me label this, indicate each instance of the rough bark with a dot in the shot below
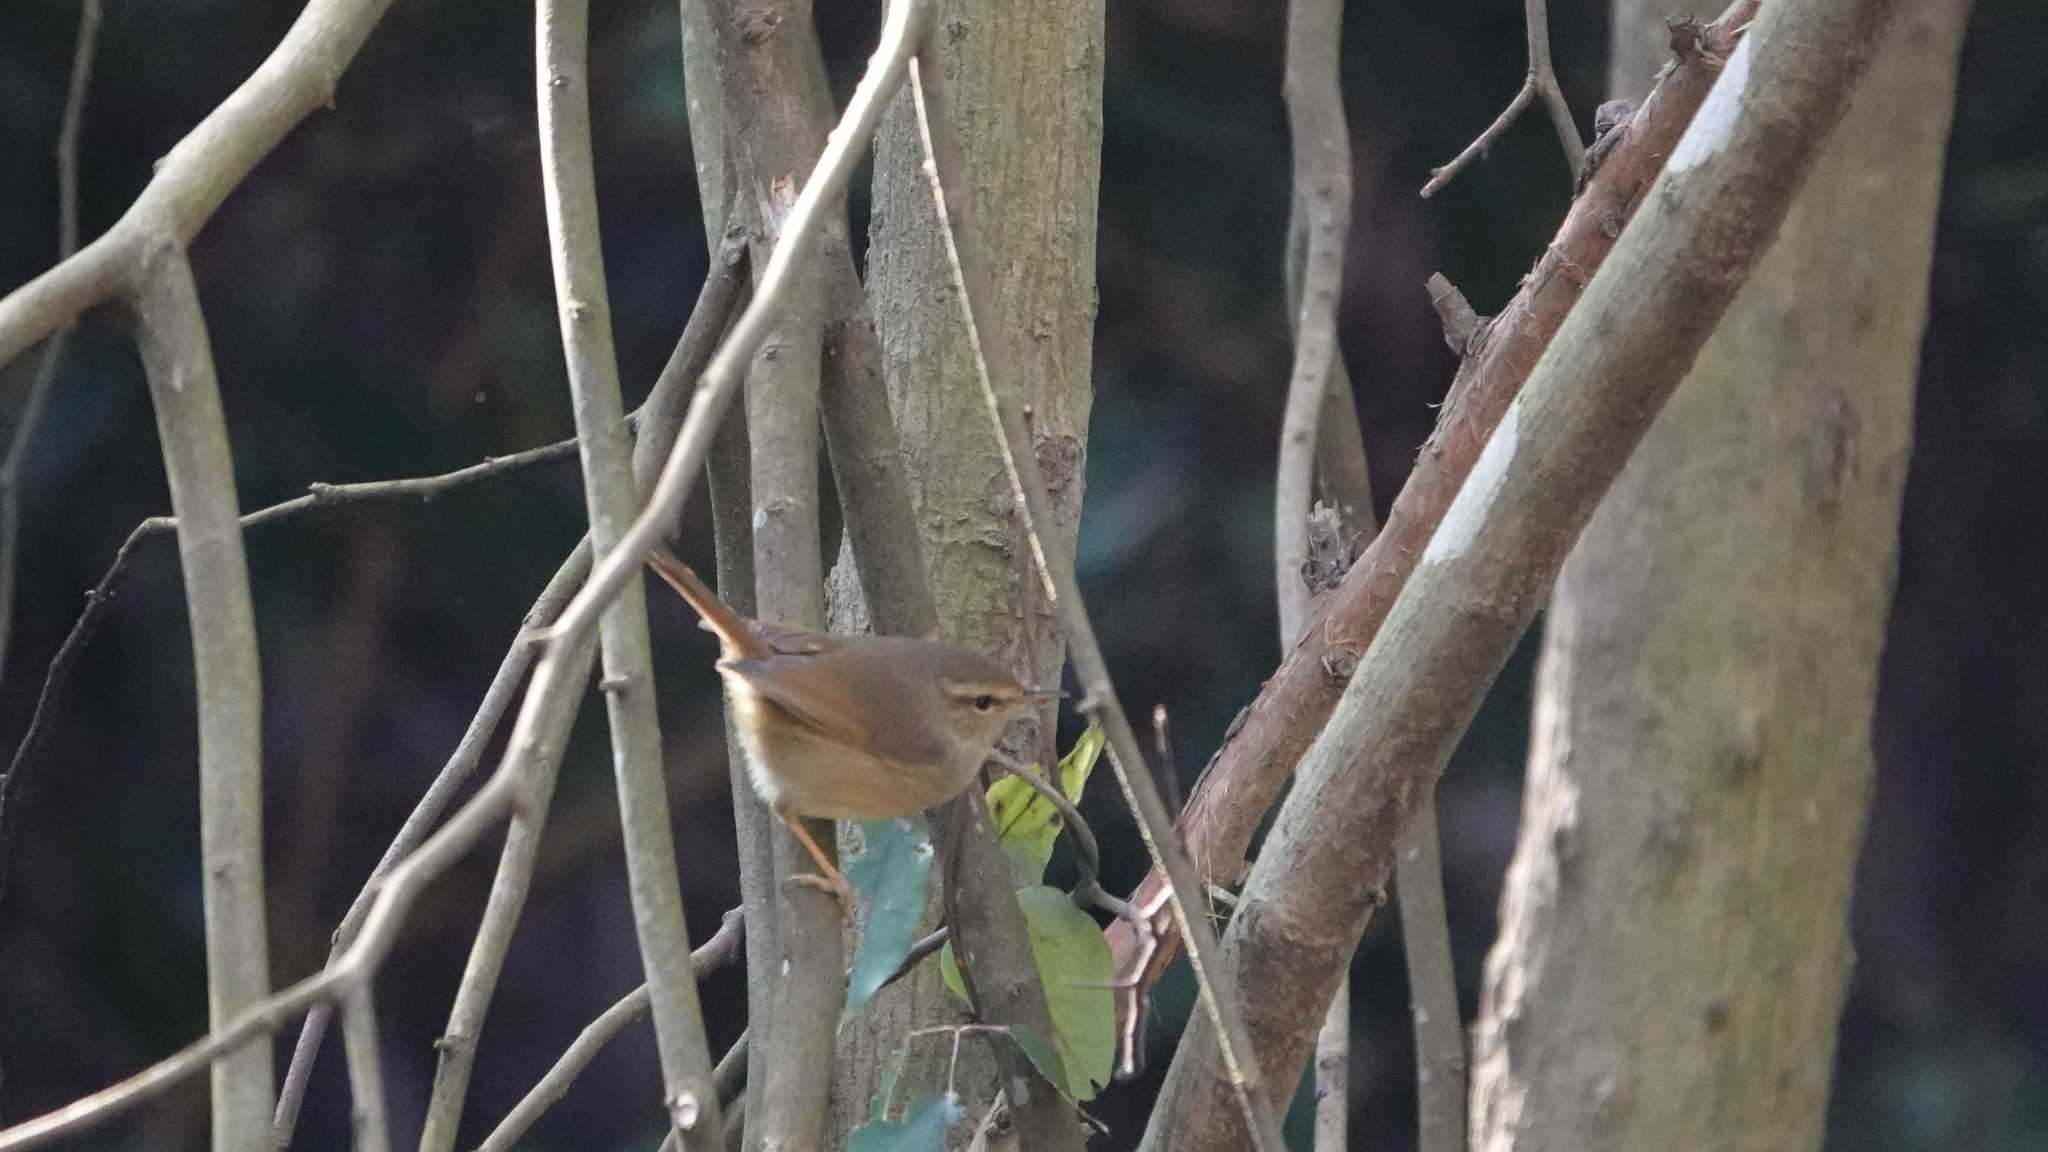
(1618, 356)
(1028, 78)
(1674, 933)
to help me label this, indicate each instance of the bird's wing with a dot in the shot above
(802, 686)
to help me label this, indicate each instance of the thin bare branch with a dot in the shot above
(1056, 567)
(1544, 73)
(365, 1070)
(1541, 81)
(1088, 891)
(1231, 799)
(722, 949)
(1163, 763)
(714, 139)
(1322, 183)
(730, 1078)
(534, 741)
(191, 181)
(1322, 209)
(1440, 1058)
(1438, 177)
(569, 184)
(320, 497)
(769, 137)
(1635, 331)
(660, 417)
(178, 359)
(1333, 1073)
(83, 52)
(721, 379)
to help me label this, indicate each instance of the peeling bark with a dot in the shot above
(1674, 933)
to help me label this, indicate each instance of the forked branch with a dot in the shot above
(191, 181)
(532, 741)
(1539, 83)
(658, 421)
(1620, 353)
(1258, 755)
(722, 949)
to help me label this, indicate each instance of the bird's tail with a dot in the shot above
(735, 635)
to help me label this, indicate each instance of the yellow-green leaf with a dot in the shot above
(1026, 823)
(1075, 966)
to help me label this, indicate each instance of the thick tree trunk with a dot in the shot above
(1673, 949)
(1027, 78)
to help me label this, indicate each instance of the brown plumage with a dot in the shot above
(851, 727)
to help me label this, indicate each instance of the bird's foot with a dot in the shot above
(834, 885)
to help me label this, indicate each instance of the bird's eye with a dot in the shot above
(984, 703)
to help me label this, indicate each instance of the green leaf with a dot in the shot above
(949, 971)
(890, 873)
(1074, 961)
(1044, 1056)
(1080, 760)
(1075, 966)
(1026, 823)
(922, 1129)
(886, 1090)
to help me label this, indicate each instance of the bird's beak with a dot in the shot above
(1043, 694)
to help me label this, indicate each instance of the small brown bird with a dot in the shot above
(851, 727)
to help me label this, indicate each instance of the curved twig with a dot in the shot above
(1541, 81)
(1088, 890)
(319, 497)
(199, 172)
(722, 949)
(177, 358)
(661, 415)
(83, 52)
(612, 496)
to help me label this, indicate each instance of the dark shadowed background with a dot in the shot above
(380, 305)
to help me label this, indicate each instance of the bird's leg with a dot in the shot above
(830, 878)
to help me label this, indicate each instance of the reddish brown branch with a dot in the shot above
(1259, 753)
